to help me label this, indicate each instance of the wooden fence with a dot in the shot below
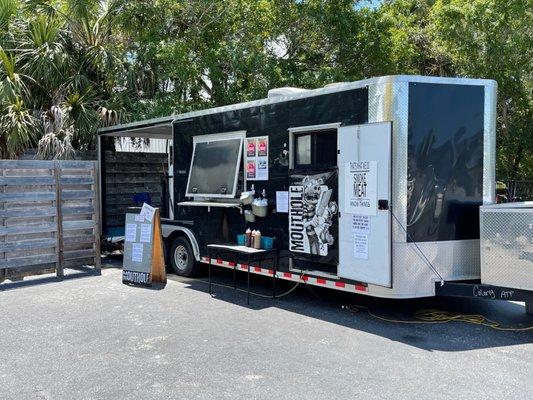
(48, 216)
(127, 174)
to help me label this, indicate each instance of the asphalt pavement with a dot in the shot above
(92, 337)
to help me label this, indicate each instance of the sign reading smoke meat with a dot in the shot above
(361, 187)
(311, 214)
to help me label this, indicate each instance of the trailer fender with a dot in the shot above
(168, 230)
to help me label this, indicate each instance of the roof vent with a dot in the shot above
(284, 91)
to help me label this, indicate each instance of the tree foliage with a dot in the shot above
(59, 68)
(68, 67)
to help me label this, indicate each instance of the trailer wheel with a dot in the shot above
(182, 257)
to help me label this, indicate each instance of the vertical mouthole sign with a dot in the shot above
(296, 226)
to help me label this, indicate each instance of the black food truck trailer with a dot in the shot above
(372, 187)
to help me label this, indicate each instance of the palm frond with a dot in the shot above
(51, 147)
(44, 30)
(18, 127)
(8, 9)
(81, 115)
(13, 84)
(44, 53)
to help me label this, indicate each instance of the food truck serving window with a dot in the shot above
(215, 165)
(316, 149)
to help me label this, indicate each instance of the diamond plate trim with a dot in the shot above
(389, 101)
(507, 247)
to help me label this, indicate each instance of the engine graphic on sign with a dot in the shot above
(310, 215)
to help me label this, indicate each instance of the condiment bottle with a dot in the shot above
(257, 241)
(248, 239)
(254, 233)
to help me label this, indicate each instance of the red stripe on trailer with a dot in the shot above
(360, 287)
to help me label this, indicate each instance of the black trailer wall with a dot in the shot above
(445, 161)
(348, 107)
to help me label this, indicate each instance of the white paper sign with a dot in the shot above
(360, 187)
(146, 233)
(262, 169)
(361, 224)
(137, 252)
(282, 201)
(131, 233)
(139, 218)
(360, 246)
(147, 211)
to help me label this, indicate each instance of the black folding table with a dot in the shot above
(250, 254)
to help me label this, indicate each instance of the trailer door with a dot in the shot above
(364, 162)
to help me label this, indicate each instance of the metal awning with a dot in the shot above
(159, 128)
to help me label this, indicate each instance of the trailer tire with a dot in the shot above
(182, 257)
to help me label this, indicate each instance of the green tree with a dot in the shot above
(68, 67)
(59, 71)
(494, 39)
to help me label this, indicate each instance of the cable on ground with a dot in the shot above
(431, 316)
(424, 316)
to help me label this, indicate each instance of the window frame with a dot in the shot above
(303, 130)
(216, 137)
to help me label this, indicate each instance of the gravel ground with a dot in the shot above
(91, 337)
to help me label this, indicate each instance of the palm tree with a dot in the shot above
(60, 78)
(18, 128)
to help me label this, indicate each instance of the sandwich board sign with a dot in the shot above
(144, 261)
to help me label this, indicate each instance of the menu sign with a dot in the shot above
(143, 248)
(257, 158)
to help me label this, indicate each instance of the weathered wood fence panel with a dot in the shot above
(127, 174)
(48, 216)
